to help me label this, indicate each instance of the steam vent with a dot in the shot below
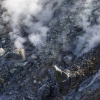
(49, 49)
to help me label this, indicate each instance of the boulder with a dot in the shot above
(43, 92)
(67, 60)
(2, 52)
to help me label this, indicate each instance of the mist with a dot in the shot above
(91, 37)
(33, 14)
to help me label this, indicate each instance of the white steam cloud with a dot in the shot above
(91, 38)
(33, 14)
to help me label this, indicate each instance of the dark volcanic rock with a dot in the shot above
(92, 92)
(43, 92)
(28, 74)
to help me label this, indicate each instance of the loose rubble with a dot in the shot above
(53, 72)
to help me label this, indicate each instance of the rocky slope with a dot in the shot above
(54, 71)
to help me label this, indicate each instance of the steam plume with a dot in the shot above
(91, 38)
(33, 14)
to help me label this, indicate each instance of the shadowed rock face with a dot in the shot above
(29, 73)
(91, 92)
